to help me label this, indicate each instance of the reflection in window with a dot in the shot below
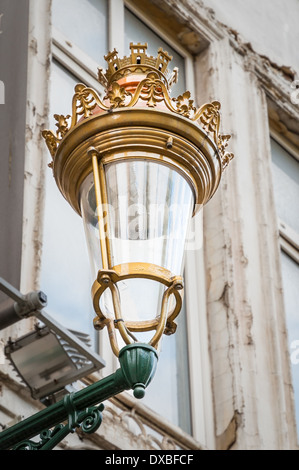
(83, 23)
(65, 270)
(171, 380)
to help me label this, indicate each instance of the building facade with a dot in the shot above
(229, 379)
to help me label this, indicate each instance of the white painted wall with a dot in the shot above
(271, 26)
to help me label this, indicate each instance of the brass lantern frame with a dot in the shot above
(174, 140)
(109, 276)
(137, 119)
(163, 324)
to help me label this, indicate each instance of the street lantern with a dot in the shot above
(136, 165)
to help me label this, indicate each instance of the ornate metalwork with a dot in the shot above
(80, 409)
(62, 125)
(151, 90)
(89, 420)
(184, 104)
(52, 143)
(45, 437)
(137, 118)
(163, 324)
(117, 95)
(84, 101)
(154, 81)
(226, 157)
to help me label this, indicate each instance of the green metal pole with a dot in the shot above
(138, 364)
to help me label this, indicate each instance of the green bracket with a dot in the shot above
(138, 365)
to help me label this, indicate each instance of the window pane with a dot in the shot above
(137, 31)
(286, 185)
(65, 270)
(84, 23)
(290, 272)
(168, 393)
(172, 377)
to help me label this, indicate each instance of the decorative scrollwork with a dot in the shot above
(89, 420)
(185, 104)
(226, 157)
(53, 140)
(27, 445)
(209, 117)
(52, 143)
(45, 437)
(153, 88)
(84, 101)
(61, 124)
(223, 140)
(117, 95)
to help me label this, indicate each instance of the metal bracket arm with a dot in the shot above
(138, 364)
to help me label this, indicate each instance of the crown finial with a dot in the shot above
(113, 61)
(139, 62)
(137, 81)
(138, 53)
(163, 60)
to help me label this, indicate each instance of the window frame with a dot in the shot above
(74, 60)
(288, 240)
(288, 237)
(189, 68)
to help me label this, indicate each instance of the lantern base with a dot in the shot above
(138, 364)
(164, 323)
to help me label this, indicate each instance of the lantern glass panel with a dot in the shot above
(151, 207)
(146, 217)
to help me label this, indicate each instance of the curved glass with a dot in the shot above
(151, 207)
(148, 210)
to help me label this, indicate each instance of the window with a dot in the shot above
(80, 38)
(65, 270)
(171, 376)
(83, 24)
(137, 31)
(286, 192)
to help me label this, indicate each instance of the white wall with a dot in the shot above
(271, 26)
